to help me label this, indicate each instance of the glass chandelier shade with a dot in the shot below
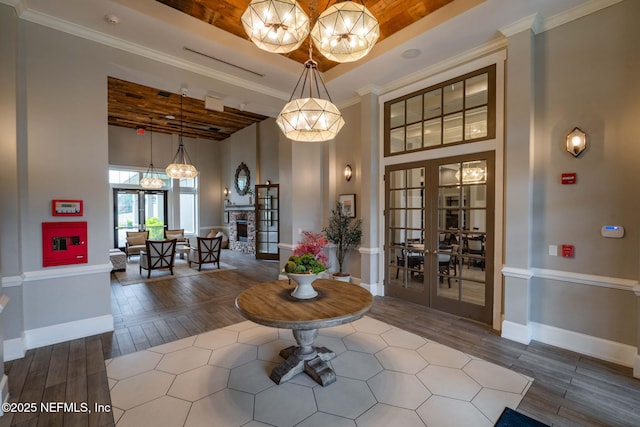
(345, 32)
(181, 166)
(310, 118)
(151, 178)
(472, 175)
(277, 26)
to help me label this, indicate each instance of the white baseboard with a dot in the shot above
(611, 351)
(14, 349)
(515, 332)
(48, 335)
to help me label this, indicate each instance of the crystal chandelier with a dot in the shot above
(345, 32)
(310, 119)
(277, 26)
(151, 178)
(181, 166)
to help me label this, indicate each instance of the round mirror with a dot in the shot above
(243, 179)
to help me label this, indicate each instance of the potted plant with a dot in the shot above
(307, 261)
(345, 233)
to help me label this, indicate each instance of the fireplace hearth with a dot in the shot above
(242, 225)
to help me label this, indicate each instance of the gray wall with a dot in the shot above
(9, 239)
(587, 76)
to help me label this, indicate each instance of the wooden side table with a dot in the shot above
(271, 304)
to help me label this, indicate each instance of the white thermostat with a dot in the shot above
(613, 231)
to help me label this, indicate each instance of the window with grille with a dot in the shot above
(457, 111)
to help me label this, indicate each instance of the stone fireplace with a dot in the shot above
(242, 229)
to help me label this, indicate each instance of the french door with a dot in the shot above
(267, 222)
(439, 217)
(139, 210)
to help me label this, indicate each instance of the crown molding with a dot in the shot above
(531, 22)
(136, 49)
(576, 13)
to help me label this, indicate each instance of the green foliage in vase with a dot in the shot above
(305, 264)
(343, 232)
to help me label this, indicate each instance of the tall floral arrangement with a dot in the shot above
(312, 243)
(308, 256)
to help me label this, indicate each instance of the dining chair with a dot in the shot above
(206, 251)
(476, 247)
(159, 254)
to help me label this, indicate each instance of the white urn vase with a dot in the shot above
(304, 289)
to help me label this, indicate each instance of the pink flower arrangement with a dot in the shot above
(312, 243)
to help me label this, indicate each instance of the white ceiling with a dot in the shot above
(152, 29)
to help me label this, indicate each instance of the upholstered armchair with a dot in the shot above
(135, 242)
(207, 251)
(159, 254)
(178, 235)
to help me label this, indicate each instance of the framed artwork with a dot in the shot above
(348, 203)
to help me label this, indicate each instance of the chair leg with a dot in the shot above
(200, 267)
(149, 274)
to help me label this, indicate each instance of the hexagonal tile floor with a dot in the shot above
(385, 376)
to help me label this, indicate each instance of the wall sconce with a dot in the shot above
(576, 142)
(348, 172)
(226, 192)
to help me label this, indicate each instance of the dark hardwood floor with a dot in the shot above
(570, 389)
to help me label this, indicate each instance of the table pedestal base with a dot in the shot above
(305, 357)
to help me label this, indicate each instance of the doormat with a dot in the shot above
(511, 418)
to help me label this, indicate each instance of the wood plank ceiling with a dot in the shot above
(132, 105)
(392, 16)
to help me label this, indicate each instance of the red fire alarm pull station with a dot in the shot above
(569, 178)
(568, 251)
(64, 243)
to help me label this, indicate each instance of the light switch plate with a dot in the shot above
(553, 250)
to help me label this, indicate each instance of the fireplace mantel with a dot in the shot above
(240, 208)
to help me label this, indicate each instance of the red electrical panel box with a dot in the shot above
(64, 243)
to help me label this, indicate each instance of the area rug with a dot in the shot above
(511, 418)
(181, 269)
(385, 377)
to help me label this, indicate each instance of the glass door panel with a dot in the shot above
(406, 230)
(154, 214)
(464, 285)
(139, 210)
(267, 222)
(126, 215)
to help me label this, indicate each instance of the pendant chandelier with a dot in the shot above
(310, 119)
(345, 32)
(151, 178)
(277, 26)
(181, 166)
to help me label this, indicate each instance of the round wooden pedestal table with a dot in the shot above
(271, 304)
